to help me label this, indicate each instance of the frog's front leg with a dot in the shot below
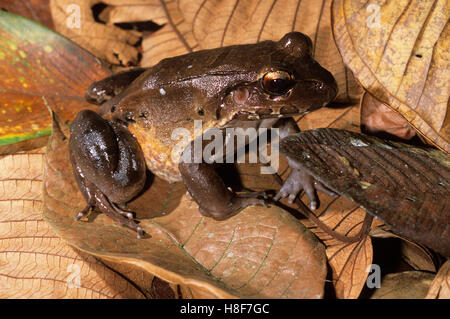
(101, 91)
(209, 191)
(108, 165)
(298, 179)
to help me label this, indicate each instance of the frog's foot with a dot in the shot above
(299, 180)
(104, 205)
(83, 212)
(236, 204)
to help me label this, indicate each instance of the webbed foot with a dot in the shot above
(299, 180)
(96, 199)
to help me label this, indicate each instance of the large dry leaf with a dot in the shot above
(440, 287)
(398, 51)
(417, 256)
(75, 20)
(38, 66)
(261, 252)
(194, 25)
(404, 285)
(405, 186)
(349, 262)
(34, 261)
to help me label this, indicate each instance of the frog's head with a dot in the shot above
(288, 82)
(240, 82)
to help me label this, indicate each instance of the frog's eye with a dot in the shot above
(277, 82)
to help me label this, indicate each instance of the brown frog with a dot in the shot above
(252, 85)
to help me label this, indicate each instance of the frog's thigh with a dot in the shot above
(104, 155)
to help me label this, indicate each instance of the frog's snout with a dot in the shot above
(327, 89)
(322, 87)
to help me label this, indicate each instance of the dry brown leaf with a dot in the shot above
(404, 285)
(405, 186)
(74, 19)
(440, 287)
(194, 25)
(34, 261)
(378, 117)
(398, 51)
(261, 252)
(349, 262)
(417, 256)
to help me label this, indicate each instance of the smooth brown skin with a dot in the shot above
(223, 87)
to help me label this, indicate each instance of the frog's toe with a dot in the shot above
(290, 189)
(103, 204)
(122, 212)
(299, 180)
(83, 212)
(140, 232)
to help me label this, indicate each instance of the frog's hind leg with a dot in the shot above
(298, 179)
(96, 199)
(108, 166)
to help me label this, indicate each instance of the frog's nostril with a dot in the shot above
(316, 85)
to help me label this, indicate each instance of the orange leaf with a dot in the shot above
(39, 66)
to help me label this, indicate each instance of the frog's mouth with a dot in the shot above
(265, 113)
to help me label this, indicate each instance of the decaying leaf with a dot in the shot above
(404, 285)
(349, 262)
(261, 252)
(440, 287)
(37, 66)
(75, 20)
(398, 51)
(34, 261)
(417, 256)
(406, 187)
(378, 117)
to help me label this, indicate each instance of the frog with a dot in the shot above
(259, 85)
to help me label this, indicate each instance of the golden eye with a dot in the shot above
(277, 82)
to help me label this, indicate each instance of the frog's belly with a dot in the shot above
(158, 156)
